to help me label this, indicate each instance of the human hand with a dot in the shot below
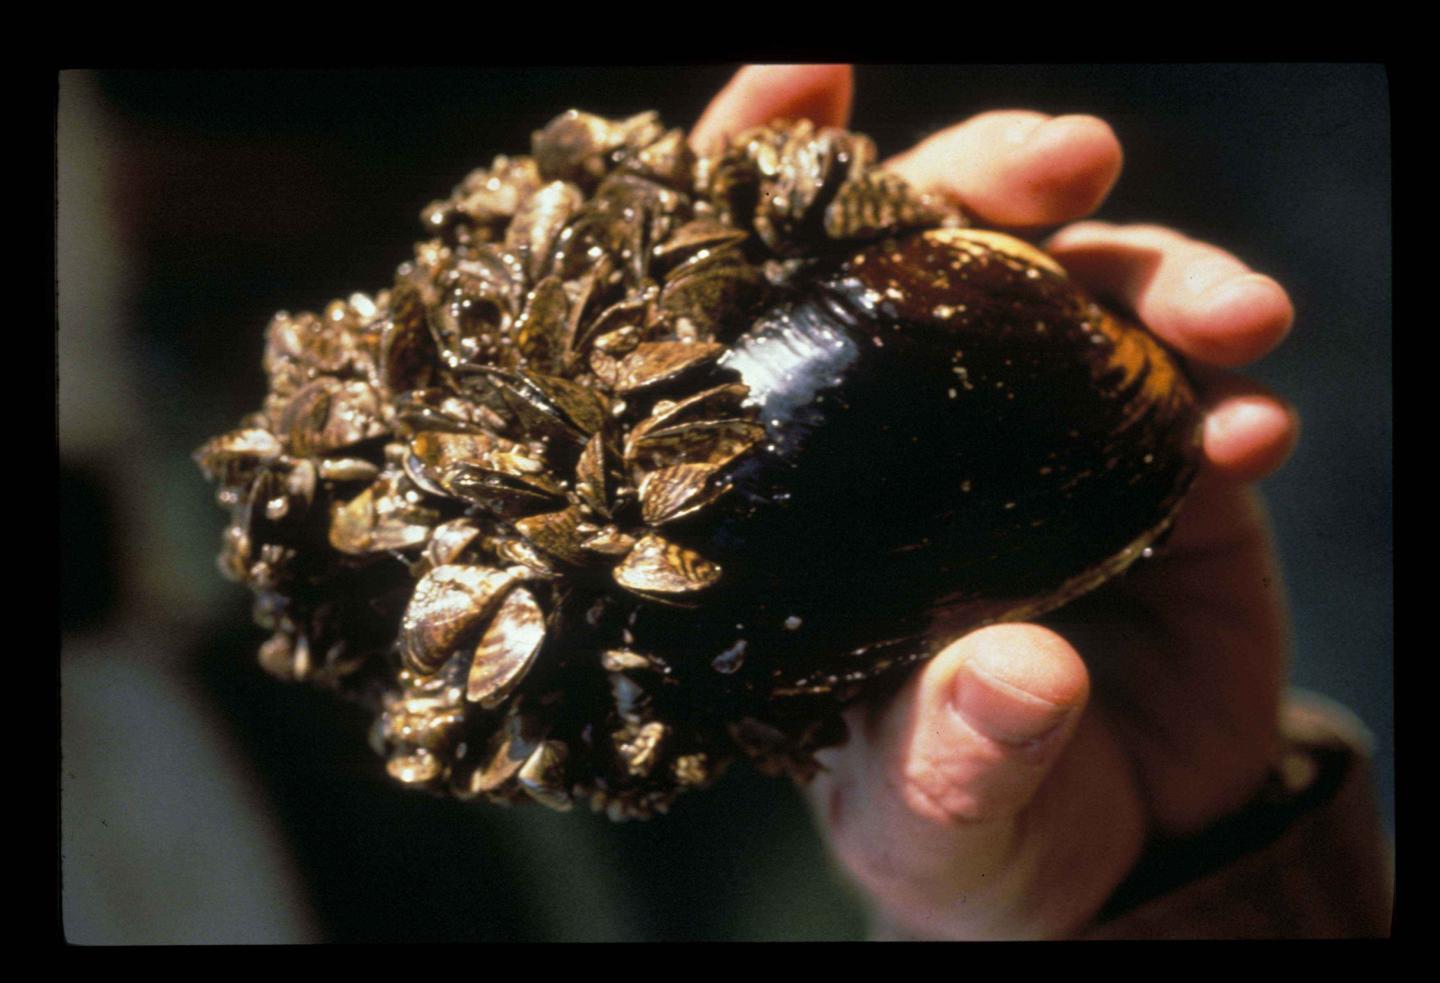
(1011, 785)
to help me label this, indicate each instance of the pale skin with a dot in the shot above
(1013, 782)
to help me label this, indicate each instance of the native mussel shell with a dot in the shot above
(954, 436)
(647, 463)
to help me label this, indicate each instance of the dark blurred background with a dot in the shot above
(204, 801)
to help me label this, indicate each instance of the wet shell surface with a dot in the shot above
(647, 463)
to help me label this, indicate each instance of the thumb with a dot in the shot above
(923, 805)
(987, 720)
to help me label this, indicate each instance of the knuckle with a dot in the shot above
(928, 794)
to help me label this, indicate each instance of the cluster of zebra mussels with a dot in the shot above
(649, 462)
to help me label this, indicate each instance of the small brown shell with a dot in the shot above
(448, 603)
(492, 195)
(640, 751)
(668, 160)
(880, 203)
(623, 660)
(545, 405)
(328, 415)
(450, 540)
(657, 362)
(489, 471)
(557, 533)
(609, 541)
(417, 767)
(507, 751)
(528, 562)
(695, 237)
(407, 349)
(233, 458)
(657, 566)
(380, 518)
(543, 775)
(346, 469)
(678, 491)
(617, 329)
(540, 331)
(507, 650)
(537, 224)
(711, 292)
(574, 145)
(593, 476)
(286, 656)
(712, 442)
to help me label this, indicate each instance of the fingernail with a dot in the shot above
(1020, 132)
(1044, 134)
(1214, 277)
(1240, 416)
(1247, 288)
(1247, 316)
(1226, 288)
(1002, 711)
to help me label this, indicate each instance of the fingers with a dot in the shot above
(923, 805)
(1212, 308)
(1017, 168)
(1249, 432)
(761, 93)
(1199, 298)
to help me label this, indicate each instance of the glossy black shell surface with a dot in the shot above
(954, 434)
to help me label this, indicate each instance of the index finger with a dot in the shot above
(1018, 168)
(1198, 297)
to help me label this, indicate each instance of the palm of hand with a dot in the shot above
(993, 796)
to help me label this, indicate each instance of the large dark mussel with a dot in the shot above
(954, 434)
(754, 433)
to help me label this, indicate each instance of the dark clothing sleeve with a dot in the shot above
(1307, 859)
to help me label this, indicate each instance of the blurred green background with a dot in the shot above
(204, 801)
